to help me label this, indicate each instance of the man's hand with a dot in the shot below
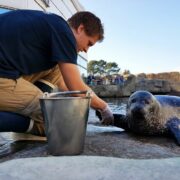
(107, 116)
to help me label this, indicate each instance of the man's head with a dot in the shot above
(87, 29)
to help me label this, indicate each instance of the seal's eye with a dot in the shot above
(133, 100)
(146, 101)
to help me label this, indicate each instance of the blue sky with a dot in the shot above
(140, 35)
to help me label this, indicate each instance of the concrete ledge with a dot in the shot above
(89, 167)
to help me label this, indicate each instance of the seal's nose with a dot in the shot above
(137, 109)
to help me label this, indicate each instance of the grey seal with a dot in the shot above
(149, 114)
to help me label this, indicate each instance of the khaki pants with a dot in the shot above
(22, 96)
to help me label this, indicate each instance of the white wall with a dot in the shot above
(64, 8)
(20, 4)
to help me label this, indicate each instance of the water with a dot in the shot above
(117, 105)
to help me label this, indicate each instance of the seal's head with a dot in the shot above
(143, 112)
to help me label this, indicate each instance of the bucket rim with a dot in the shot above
(66, 95)
(64, 98)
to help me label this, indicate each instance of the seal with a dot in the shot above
(149, 114)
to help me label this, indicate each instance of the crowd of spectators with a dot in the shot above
(107, 80)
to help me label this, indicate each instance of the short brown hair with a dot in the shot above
(92, 23)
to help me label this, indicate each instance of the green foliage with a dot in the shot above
(126, 72)
(91, 67)
(101, 67)
(112, 68)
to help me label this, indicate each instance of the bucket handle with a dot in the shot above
(49, 95)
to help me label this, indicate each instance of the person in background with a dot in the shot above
(90, 79)
(36, 45)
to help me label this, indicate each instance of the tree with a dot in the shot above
(101, 67)
(112, 68)
(96, 67)
(126, 72)
(91, 67)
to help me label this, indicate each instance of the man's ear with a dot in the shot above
(80, 28)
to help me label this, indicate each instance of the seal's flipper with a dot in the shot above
(119, 120)
(174, 126)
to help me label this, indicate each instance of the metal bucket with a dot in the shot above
(65, 118)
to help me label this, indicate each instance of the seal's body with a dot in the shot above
(148, 114)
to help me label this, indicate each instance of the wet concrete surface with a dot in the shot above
(100, 141)
(126, 145)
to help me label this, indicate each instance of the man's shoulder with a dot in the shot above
(56, 20)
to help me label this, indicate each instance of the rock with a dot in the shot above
(171, 76)
(141, 75)
(175, 88)
(133, 84)
(108, 90)
(154, 86)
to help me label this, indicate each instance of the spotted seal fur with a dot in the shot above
(150, 114)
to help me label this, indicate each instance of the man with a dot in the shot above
(36, 45)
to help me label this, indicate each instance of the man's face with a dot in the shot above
(83, 40)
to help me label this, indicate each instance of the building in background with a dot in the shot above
(64, 8)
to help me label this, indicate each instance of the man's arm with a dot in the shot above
(61, 84)
(73, 82)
